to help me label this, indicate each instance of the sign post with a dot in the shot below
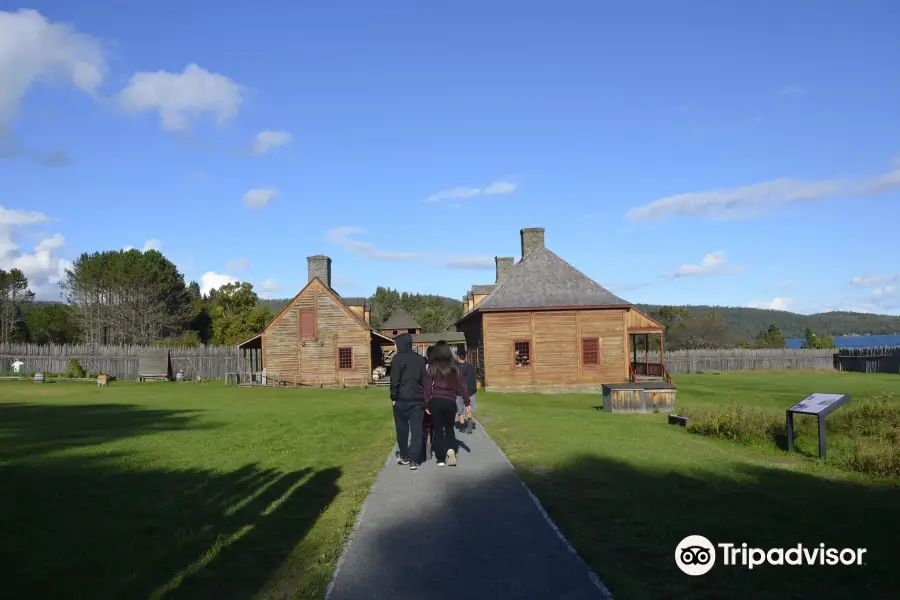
(820, 405)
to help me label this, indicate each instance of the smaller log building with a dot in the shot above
(400, 322)
(320, 338)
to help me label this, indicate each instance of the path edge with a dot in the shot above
(595, 579)
(352, 537)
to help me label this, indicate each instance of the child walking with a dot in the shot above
(443, 383)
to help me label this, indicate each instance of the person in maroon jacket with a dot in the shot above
(443, 383)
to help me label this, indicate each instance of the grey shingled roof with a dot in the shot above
(355, 301)
(483, 289)
(544, 280)
(400, 319)
(451, 337)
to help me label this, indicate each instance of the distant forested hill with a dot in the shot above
(746, 322)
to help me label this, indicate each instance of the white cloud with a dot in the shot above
(499, 188)
(151, 244)
(496, 188)
(713, 263)
(19, 218)
(212, 281)
(11, 148)
(470, 262)
(874, 280)
(32, 50)
(884, 293)
(43, 267)
(777, 303)
(758, 198)
(259, 198)
(343, 236)
(269, 140)
(239, 264)
(269, 285)
(180, 97)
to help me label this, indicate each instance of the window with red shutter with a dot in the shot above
(307, 324)
(590, 351)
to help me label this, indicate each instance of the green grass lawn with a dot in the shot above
(181, 490)
(627, 488)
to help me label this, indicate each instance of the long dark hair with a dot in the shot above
(441, 363)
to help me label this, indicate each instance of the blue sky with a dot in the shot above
(730, 153)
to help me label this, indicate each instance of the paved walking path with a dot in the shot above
(468, 532)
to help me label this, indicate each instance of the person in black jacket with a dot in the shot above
(407, 400)
(468, 372)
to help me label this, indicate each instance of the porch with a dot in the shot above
(643, 343)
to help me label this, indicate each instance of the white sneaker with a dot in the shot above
(451, 458)
(442, 464)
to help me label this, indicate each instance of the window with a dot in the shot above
(307, 324)
(590, 352)
(345, 359)
(395, 332)
(522, 353)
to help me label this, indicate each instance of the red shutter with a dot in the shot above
(307, 324)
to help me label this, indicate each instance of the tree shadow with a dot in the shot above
(30, 430)
(103, 527)
(626, 522)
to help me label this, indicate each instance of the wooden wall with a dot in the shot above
(555, 338)
(310, 362)
(635, 319)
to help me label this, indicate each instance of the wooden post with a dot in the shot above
(646, 354)
(662, 355)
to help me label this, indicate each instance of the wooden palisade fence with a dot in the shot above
(868, 360)
(121, 362)
(213, 362)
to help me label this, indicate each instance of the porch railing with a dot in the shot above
(648, 369)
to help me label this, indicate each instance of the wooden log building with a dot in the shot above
(399, 322)
(543, 324)
(320, 338)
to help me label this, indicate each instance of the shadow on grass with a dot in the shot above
(92, 527)
(29, 430)
(627, 522)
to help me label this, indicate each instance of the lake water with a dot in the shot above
(855, 341)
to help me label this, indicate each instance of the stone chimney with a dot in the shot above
(319, 266)
(532, 239)
(504, 263)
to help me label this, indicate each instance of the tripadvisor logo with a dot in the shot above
(696, 555)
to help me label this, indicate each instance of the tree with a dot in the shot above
(676, 320)
(14, 297)
(811, 340)
(708, 331)
(770, 338)
(126, 297)
(236, 314)
(50, 323)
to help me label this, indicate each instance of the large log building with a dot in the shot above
(545, 324)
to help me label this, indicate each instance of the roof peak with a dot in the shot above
(542, 279)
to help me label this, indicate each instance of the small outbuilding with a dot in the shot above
(399, 322)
